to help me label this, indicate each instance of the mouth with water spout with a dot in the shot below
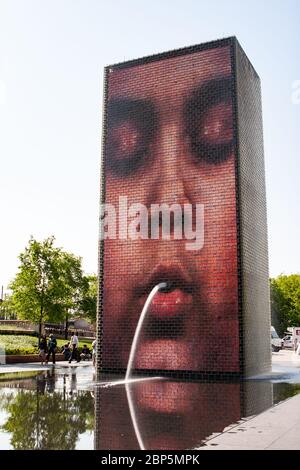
(167, 287)
(172, 300)
(164, 344)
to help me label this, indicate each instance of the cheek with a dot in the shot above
(217, 261)
(140, 187)
(122, 258)
(116, 283)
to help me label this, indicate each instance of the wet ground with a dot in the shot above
(62, 407)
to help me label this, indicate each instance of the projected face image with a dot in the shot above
(169, 141)
(168, 415)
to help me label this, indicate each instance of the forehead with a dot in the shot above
(169, 77)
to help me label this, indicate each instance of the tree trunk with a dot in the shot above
(40, 323)
(40, 331)
(66, 327)
(41, 318)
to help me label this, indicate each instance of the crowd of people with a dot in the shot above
(70, 349)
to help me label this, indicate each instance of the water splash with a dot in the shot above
(126, 382)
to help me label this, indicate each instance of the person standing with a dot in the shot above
(94, 349)
(297, 347)
(52, 343)
(74, 347)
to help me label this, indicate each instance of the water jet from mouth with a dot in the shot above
(161, 286)
(158, 287)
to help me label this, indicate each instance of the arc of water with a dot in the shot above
(131, 358)
(155, 289)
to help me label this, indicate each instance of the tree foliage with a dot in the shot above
(88, 302)
(48, 282)
(7, 309)
(285, 300)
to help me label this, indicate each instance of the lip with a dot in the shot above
(172, 302)
(170, 273)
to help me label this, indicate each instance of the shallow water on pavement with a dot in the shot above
(62, 408)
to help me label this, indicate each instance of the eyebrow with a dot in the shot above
(208, 94)
(140, 111)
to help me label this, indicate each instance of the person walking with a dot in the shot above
(52, 343)
(74, 347)
(43, 349)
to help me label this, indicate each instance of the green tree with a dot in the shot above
(7, 309)
(285, 301)
(87, 305)
(46, 283)
(72, 286)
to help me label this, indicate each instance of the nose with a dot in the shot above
(168, 190)
(170, 181)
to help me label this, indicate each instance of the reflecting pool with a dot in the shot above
(46, 410)
(63, 408)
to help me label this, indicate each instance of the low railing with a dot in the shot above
(61, 332)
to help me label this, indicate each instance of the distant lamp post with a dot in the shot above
(1, 300)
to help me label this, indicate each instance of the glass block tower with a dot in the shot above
(183, 203)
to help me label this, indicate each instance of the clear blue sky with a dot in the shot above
(52, 54)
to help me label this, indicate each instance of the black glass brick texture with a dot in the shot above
(252, 219)
(242, 321)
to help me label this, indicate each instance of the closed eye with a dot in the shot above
(209, 122)
(131, 127)
(216, 125)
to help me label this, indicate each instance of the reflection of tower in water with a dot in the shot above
(174, 415)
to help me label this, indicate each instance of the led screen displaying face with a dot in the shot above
(170, 214)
